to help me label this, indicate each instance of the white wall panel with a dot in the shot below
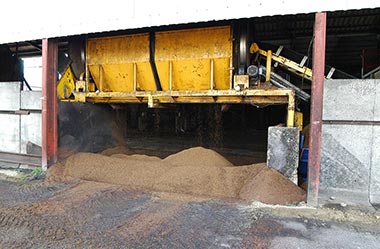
(9, 96)
(31, 100)
(45, 19)
(10, 133)
(30, 130)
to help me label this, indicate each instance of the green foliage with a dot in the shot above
(37, 172)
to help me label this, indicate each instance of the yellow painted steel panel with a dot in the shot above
(115, 77)
(191, 75)
(66, 84)
(195, 74)
(298, 120)
(145, 79)
(188, 59)
(118, 49)
(163, 69)
(116, 56)
(119, 77)
(95, 73)
(200, 43)
(223, 74)
(190, 52)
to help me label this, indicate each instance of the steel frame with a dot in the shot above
(259, 97)
(49, 102)
(318, 77)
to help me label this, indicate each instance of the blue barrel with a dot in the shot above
(302, 169)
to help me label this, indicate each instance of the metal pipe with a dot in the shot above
(269, 65)
(26, 83)
(49, 134)
(319, 49)
(152, 61)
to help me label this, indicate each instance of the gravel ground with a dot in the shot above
(67, 213)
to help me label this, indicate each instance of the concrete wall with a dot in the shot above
(10, 132)
(30, 126)
(17, 130)
(9, 96)
(350, 160)
(283, 151)
(82, 127)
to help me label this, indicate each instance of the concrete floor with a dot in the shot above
(63, 213)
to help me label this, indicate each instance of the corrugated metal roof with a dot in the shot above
(30, 20)
(348, 33)
(338, 23)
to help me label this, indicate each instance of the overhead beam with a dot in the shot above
(319, 50)
(49, 102)
(35, 45)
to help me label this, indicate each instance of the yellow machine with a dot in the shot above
(168, 67)
(290, 65)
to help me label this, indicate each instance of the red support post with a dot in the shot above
(49, 102)
(319, 49)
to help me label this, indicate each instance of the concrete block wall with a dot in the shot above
(10, 132)
(10, 96)
(15, 129)
(350, 159)
(283, 151)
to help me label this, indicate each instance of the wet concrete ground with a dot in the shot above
(82, 214)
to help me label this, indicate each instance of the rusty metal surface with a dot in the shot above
(49, 102)
(316, 108)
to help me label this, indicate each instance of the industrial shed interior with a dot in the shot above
(200, 106)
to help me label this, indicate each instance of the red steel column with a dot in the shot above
(318, 77)
(49, 102)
